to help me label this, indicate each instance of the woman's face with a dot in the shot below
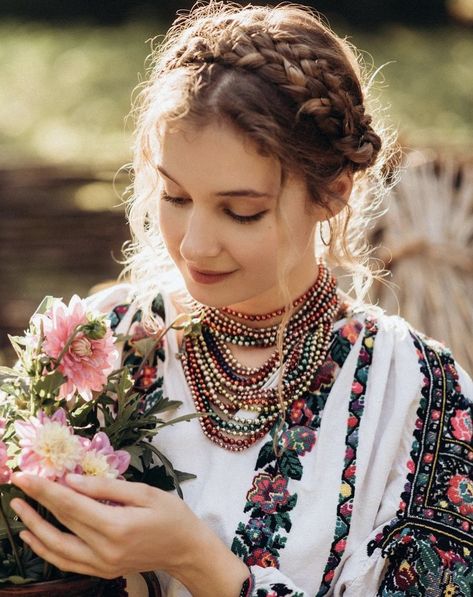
(219, 221)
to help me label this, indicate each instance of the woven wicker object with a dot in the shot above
(426, 238)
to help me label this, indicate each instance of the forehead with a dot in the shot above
(215, 156)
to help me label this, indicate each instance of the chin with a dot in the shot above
(212, 296)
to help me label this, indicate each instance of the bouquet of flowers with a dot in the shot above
(64, 407)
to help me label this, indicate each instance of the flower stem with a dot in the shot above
(11, 539)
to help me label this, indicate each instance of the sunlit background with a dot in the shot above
(67, 75)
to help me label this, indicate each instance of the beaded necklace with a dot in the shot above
(221, 386)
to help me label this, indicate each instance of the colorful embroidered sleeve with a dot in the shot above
(269, 582)
(125, 319)
(427, 547)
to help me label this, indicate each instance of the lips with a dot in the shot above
(203, 276)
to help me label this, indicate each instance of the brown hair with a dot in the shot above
(280, 76)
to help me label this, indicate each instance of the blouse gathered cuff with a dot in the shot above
(247, 586)
(266, 582)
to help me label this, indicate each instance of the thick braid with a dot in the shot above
(310, 80)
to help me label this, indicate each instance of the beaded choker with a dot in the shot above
(220, 385)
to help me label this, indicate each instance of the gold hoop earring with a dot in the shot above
(324, 242)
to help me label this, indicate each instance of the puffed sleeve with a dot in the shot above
(119, 303)
(425, 548)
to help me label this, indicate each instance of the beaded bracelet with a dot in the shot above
(247, 587)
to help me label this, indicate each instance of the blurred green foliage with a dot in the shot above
(65, 92)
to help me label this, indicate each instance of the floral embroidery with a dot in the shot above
(300, 439)
(426, 565)
(258, 532)
(460, 493)
(262, 557)
(429, 542)
(148, 380)
(269, 493)
(347, 486)
(462, 427)
(269, 501)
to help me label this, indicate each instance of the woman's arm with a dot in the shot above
(151, 530)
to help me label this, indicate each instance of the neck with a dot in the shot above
(261, 313)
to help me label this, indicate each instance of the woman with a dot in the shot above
(345, 470)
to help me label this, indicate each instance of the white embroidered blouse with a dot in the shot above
(373, 494)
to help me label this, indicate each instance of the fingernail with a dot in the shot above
(15, 505)
(74, 479)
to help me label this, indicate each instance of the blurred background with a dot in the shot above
(67, 74)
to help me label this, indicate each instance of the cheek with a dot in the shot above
(254, 247)
(297, 238)
(171, 226)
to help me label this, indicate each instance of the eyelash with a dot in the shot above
(179, 202)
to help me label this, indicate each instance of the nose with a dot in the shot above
(200, 241)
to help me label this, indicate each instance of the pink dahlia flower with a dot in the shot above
(99, 459)
(49, 447)
(88, 362)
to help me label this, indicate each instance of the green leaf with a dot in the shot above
(158, 477)
(266, 455)
(145, 346)
(162, 405)
(289, 505)
(290, 465)
(182, 476)
(16, 342)
(462, 578)
(135, 453)
(79, 417)
(9, 373)
(278, 542)
(239, 548)
(47, 386)
(169, 468)
(44, 305)
(283, 520)
(187, 417)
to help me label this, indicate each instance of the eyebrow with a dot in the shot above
(233, 193)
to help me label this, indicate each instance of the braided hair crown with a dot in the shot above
(285, 81)
(291, 49)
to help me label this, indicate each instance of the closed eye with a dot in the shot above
(173, 200)
(181, 201)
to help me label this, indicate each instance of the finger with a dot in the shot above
(117, 491)
(65, 505)
(61, 561)
(54, 540)
(74, 510)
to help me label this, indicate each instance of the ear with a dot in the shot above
(342, 187)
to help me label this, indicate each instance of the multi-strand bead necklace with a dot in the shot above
(221, 386)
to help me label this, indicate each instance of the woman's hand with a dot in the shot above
(150, 530)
